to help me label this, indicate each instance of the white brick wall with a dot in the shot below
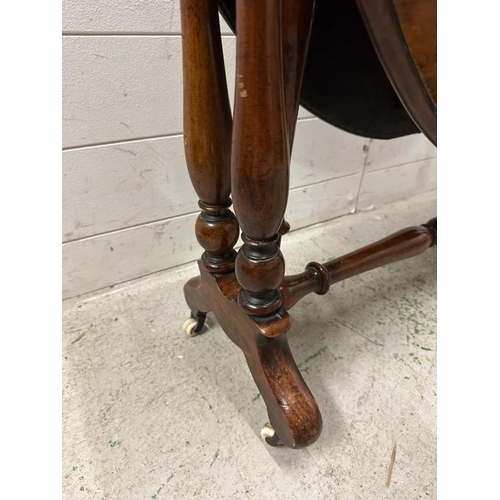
(128, 205)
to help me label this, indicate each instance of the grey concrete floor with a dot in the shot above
(152, 414)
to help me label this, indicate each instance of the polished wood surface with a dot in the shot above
(207, 131)
(318, 278)
(383, 25)
(297, 24)
(249, 294)
(369, 85)
(292, 409)
(296, 29)
(418, 20)
(260, 155)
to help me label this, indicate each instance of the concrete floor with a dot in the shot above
(152, 414)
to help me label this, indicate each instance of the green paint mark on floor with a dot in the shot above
(426, 348)
(112, 444)
(256, 397)
(215, 457)
(319, 352)
(155, 496)
(302, 366)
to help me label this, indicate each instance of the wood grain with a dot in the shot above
(207, 132)
(261, 154)
(418, 21)
(383, 25)
(293, 411)
(318, 277)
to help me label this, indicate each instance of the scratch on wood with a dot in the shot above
(391, 465)
(80, 337)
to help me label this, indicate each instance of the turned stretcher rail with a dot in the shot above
(318, 278)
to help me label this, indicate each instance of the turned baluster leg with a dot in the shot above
(207, 143)
(297, 23)
(260, 161)
(260, 181)
(207, 132)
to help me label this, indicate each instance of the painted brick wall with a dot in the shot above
(128, 206)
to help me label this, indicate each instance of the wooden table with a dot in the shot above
(368, 67)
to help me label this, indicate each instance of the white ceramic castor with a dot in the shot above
(268, 434)
(189, 327)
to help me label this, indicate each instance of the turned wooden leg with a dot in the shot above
(207, 132)
(198, 304)
(297, 23)
(260, 160)
(296, 30)
(207, 144)
(272, 46)
(264, 108)
(248, 308)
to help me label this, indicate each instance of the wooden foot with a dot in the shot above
(193, 293)
(270, 436)
(293, 411)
